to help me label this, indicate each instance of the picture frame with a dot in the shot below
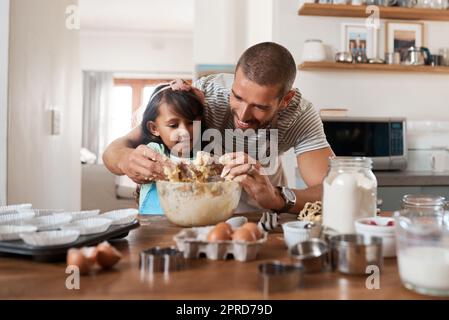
(361, 36)
(399, 36)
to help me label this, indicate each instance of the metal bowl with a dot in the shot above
(353, 253)
(190, 204)
(345, 57)
(311, 254)
(276, 276)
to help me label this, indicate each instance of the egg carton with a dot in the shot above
(193, 243)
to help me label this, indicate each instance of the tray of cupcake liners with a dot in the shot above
(47, 234)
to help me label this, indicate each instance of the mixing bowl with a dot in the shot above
(190, 204)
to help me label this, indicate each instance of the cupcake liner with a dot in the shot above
(47, 212)
(50, 238)
(123, 216)
(12, 232)
(50, 222)
(81, 215)
(89, 226)
(16, 217)
(15, 207)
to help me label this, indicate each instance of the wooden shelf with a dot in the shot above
(334, 10)
(334, 66)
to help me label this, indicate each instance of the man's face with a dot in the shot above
(253, 105)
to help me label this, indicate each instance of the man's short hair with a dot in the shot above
(268, 64)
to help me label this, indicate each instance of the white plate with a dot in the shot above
(80, 215)
(89, 226)
(11, 232)
(50, 238)
(50, 222)
(15, 207)
(123, 216)
(16, 217)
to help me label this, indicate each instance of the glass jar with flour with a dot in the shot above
(349, 193)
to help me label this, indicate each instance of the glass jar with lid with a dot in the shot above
(424, 204)
(422, 245)
(349, 193)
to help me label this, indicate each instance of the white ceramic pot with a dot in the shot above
(296, 232)
(313, 50)
(381, 230)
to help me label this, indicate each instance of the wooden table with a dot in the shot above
(203, 279)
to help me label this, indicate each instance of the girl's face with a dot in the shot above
(176, 132)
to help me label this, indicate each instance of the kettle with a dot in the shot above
(417, 56)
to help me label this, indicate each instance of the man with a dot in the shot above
(259, 96)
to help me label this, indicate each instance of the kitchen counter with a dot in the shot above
(202, 279)
(411, 178)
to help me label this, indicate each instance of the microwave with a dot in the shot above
(381, 139)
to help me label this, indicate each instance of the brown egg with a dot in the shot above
(243, 235)
(90, 253)
(226, 226)
(251, 226)
(219, 233)
(75, 257)
(107, 255)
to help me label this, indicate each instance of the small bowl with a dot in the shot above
(298, 231)
(353, 253)
(237, 222)
(311, 254)
(378, 227)
(344, 57)
(50, 238)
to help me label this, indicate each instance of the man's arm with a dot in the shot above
(119, 149)
(313, 166)
(125, 156)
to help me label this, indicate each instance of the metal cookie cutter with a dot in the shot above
(161, 260)
(276, 277)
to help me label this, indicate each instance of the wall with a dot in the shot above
(134, 51)
(4, 47)
(225, 28)
(44, 71)
(415, 96)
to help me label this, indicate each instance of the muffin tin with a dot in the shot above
(58, 252)
(35, 232)
(192, 242)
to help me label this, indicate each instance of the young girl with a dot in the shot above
(167, 126)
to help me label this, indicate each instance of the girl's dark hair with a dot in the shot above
(184, 103)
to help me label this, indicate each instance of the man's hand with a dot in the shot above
(143, 164)
(249, 172)
(182, 85)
